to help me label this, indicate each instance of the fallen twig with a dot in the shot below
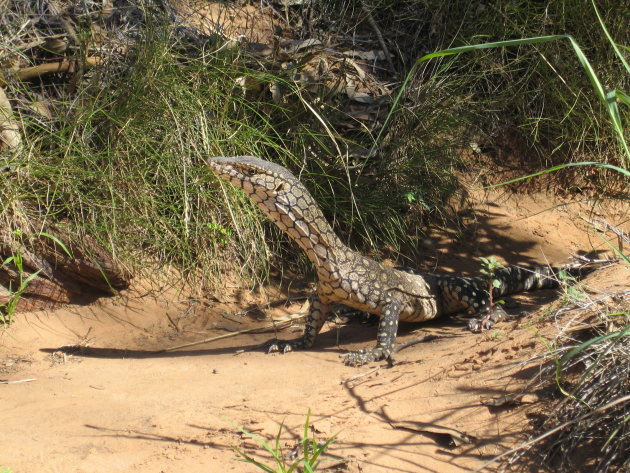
(379, 35)
(607, 226)
(278, 323)
(17, 381)
(415, 341)
(65, 65)
(360, 375)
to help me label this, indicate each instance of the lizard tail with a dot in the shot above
(514, 279)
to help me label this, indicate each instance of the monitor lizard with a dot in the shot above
(351, 279)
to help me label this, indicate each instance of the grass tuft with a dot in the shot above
(307, 459)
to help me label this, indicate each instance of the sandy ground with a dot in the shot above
(107, 402)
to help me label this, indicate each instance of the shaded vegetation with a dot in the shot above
(586, 426)
(533, 100)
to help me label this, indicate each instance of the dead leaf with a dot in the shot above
(365, 55)
(9, 129)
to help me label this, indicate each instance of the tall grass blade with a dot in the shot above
(244, 457)
(611, 106)
(610, 39)
(57, 241)
(625, 172)
(583, 346)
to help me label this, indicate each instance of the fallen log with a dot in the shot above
(76, 271)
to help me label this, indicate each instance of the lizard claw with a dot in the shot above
(487, 322)
(283, 346)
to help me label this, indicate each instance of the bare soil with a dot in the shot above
(96, 396)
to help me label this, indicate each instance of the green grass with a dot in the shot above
(14, 265)
(531, 97)
(122, 157)
(308, 459)
(130, 170)
(7, 309)
(124, 161)
(608, 99)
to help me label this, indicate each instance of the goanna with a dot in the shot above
(349, 278)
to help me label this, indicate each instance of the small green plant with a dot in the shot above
(547, 313)
(6, 469)
(308, 461)
(572, 289)
(488, 269)
(223, 234)
(411, 197)
(7, 309)
(495, 335)
(416, 198)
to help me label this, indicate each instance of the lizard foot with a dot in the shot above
(481, 324)
(362, 356)
(485, 323)
(285, 346)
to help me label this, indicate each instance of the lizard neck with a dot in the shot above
(307, 226)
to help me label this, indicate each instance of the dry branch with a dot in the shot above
(66, 65)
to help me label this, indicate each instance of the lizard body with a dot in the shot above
(349, 278)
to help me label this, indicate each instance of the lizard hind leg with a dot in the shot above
(387, 331)
(470, 296)
(315, 319)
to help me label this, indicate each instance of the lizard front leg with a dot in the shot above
(387, 331)
(315, 319)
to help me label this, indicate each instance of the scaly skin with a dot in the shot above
(351, 279)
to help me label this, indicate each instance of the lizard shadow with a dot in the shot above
(339, 337)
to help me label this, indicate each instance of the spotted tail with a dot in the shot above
(515, 279)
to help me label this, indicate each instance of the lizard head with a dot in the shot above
(257, 177)
(274, 188)
(282, 197)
